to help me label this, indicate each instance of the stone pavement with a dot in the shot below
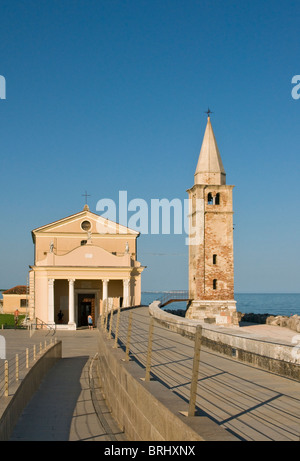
(68, 405)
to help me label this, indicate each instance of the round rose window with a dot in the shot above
(86, 225)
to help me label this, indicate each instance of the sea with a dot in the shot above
(257, 303)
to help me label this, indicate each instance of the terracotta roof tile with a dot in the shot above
(17, 290)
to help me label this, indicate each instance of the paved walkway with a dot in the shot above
(68, 405)
(250, 403)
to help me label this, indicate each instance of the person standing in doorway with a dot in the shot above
(90, 322)
(60, 316)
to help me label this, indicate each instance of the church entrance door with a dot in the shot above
(86, 307)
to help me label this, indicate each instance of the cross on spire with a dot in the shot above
(86, 195)
(208, 112)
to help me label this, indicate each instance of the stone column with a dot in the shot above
(126, 292)
(71, 304)
(51, 320)
(105, 294)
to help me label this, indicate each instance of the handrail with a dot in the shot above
(176, 295)
(14, 369)
(40, 324)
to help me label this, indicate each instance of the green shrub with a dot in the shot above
(8, 320)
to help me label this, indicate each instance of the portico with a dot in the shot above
(78, 272)
(106, 294)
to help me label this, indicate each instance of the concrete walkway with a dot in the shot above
(250, 403)
(68, 405)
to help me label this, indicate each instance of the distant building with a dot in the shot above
(83, 264)
(15, 298)
(211, 266)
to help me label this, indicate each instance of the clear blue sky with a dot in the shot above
(110, 95)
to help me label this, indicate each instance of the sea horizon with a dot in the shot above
(257, 303)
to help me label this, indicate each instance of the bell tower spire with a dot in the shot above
(210, 169)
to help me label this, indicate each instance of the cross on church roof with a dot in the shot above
(86, 195)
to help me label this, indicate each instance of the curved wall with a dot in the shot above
(11, 407)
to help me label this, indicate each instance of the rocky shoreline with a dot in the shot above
(292, 322)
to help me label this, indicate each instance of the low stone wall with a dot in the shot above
(11, 407)
(148, 411)
(277, 358)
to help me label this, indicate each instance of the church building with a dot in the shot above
(211, 266)
(83, 264)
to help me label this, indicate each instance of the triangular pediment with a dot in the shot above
(82, 223)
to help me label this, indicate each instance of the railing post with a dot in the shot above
(128, 337)
(111, 322)
(149, 352)
(17, 367)
(34, 352)
(6, 378)
(106, 319)
(117, 328)
(103, 316)
(194, 383)
(27, 358)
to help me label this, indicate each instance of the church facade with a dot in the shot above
(83, 264)
(211, 263)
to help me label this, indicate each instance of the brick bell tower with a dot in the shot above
(211, 268)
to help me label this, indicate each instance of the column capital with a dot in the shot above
(105, 280)
(71, 281)
(50, 281)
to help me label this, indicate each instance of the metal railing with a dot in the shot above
(13, 370)
(41, 325)
(173, 296)
(112, 332)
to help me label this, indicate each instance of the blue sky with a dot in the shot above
(110, 95)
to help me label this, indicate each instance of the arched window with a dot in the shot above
(214, 284)
(217, 199)
(210, 200)
(214, 259)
